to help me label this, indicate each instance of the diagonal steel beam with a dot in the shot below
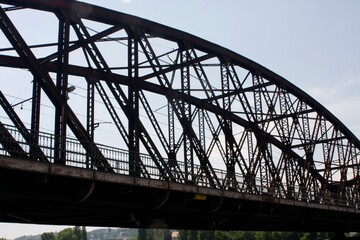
(121, 98)
(35, 150)
(10, 144)
(49, 88)
(179, 111)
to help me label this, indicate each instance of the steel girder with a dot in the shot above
(185, 102)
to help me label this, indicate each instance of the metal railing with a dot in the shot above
(76, 156)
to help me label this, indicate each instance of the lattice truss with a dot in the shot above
(202, 113)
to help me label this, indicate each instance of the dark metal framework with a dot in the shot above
(181, 100)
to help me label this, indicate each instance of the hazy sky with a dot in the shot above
(313, 44)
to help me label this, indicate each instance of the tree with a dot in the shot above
(150, 234)
(83, 233)
(167, 234)
(207, 235)
(66, 234)
(222, 235)
(193, 235)
(48, 236)
(142, 235)
(183, 234)
(78, 233)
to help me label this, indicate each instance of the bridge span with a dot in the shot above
(193, 136)
(78, 194)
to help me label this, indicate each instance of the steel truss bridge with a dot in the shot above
(197, 135)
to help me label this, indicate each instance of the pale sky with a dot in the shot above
(313, 44)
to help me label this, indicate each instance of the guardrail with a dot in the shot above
(76, 156)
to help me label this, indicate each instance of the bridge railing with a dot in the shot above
(76, 156)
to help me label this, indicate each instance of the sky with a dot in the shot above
(313, 44)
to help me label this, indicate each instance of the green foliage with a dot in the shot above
(193, 235)
(113, 233)
(80, 233)
(207, 235)
(3, 239)
(154, 234)
(48, 236)
(75, 233)
(66, 234)
(183, 234)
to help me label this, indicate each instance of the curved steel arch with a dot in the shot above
(192, 105)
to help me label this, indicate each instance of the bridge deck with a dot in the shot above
(36, 192)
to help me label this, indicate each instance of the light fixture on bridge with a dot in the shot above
(70, 89)
(21, 102)
(97, 124)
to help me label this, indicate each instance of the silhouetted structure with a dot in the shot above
(205, 138)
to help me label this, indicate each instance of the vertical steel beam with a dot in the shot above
(342, 162)
(185, 88)
(257, 98)
(201, 120)
(231, 181)
(257, 159)
(62, 87)
(172, 147)
(171, 132)
(284, 121)
(90, 127)
(326, 146)
(35, 118)
(133, 105)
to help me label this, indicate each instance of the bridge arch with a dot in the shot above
(202, 113)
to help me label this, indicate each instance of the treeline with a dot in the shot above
(76, 233)
(79, 233)
(151, 234)
(248, 235)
